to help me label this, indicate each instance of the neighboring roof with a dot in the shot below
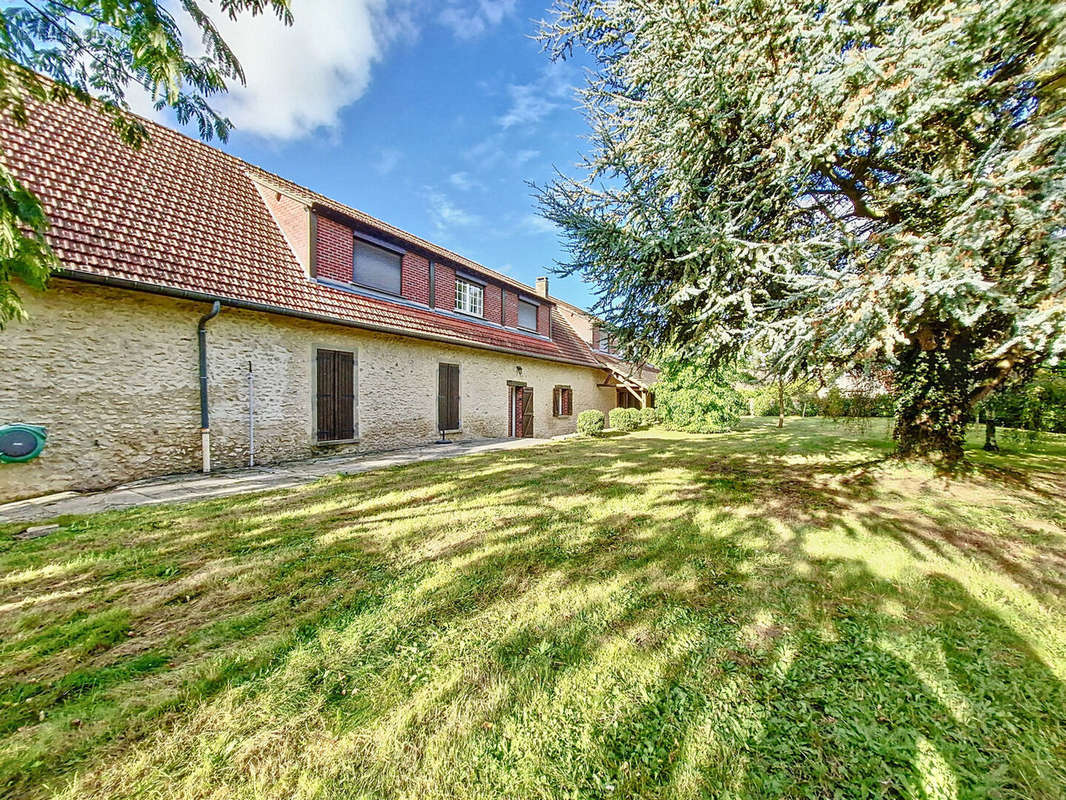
(178, 216)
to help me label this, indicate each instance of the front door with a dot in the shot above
(527, 411)
(521, 411)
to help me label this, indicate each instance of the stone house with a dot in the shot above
(209, 313)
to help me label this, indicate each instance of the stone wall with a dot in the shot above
(112, 375)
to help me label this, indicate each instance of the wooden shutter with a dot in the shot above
(336, 395)
(344, 391)
(448, 397)
(527, 411)
(325, 398)
(568, 399)
(557, 403)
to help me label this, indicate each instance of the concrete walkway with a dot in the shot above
(223, 483)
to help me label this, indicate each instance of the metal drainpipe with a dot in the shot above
(251, 416)
(205, 423)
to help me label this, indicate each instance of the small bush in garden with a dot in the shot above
(590, 422)
(623, 419)
(648, 416)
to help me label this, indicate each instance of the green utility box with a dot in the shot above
(21, 442)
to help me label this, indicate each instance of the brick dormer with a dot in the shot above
(420, 276)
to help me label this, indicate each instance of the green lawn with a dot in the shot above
(759, 614)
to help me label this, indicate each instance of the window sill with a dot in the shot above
(467, 314)
(335, 442)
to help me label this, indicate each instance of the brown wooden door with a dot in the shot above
(527, 411)
(336, 396)
(448, 397)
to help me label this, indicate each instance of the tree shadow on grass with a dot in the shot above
(645, 619)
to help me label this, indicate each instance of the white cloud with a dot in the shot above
(300, 77)
(532, 102)
(522, 156)
(488, 152)
(534, 223)
(471, 20)
(388, 160)
(464, 182)
(446, 215)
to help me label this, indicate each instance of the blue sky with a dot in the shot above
(429, 115)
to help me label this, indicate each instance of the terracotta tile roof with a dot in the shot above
(178, 215)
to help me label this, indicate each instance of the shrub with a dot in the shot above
(838, 404)
(624, 419)
(648, 416)
(689, 398)
(590, 422)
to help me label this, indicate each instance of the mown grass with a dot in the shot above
(753, 615)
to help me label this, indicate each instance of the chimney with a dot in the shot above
(542, 287)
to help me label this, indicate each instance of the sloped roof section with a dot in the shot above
(179, 215)
(644, 375)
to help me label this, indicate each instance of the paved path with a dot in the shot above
(222, 483)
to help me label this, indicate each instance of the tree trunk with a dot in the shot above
(990, 433)
(934, 401)
(780, 403)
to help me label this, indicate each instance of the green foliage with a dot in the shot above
(1036, 405)
(625, 419)
(761, 400)
(692, 398)
(590, 422)
(842, 183)
(91, 51)
(24, 252)
(648, 416)
(837, 404)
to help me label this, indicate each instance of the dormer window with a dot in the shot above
(376, 267)
(605, 344)
(469, 298)
(527, 315)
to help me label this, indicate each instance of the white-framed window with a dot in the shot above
(469, 297)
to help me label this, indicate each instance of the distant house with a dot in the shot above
(322, 329)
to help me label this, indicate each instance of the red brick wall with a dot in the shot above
(333, 251)
(510, 309)
(543, 316)
(493, 304)
(291, 216)
(444, 291)
(414, 278)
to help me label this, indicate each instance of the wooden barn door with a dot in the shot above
(527, 411)
(448, 397)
